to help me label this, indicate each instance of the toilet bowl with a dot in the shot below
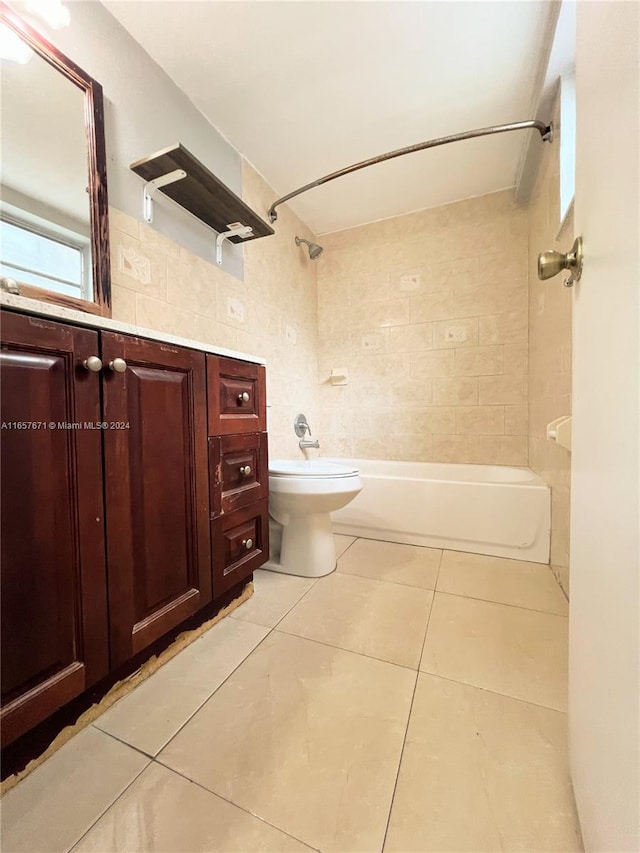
(301, 497)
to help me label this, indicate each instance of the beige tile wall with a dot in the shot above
(445, 336)
(550, 307)
(273, 313)
(428, 312)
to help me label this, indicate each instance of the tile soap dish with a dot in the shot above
(560, 431)
(339, 376)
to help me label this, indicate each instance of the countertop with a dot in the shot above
(59, 312)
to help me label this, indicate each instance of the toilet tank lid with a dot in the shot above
(310, 468)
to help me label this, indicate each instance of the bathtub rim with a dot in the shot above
(533, 479)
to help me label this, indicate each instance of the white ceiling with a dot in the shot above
(305, 88)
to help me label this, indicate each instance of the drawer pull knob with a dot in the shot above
(118, 365)
(93, 364)
(243, 398)
(245, 470)
(247, 543)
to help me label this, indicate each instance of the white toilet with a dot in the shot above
(302, 494)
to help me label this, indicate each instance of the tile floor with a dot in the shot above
(414, 700)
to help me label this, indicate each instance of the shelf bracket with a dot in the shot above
(151, 187)
(236, 229)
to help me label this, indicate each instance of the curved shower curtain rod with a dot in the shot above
(545, 131)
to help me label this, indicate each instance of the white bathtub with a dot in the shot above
(484, 509)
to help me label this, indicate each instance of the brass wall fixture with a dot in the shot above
(551, 263)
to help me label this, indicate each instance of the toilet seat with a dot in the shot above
(315, 468)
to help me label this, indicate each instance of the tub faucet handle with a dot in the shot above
(300, 426)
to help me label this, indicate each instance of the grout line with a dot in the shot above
(384, 580)
(231, 803)
(404, 743)
(257, 646)
(493, 692)
(302, 597)
(295, 604)
(342, 649)
(275, 628)
(556, 577)
(342, 553)
(457, 594)
(413, 696)
(501, 603)
(213, 693)
(123, 742)
(112, 803)
(433, 601)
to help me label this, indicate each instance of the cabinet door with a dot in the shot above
(237, 396)
(54, 607)
(156, 487)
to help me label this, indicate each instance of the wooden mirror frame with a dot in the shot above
(97, 170)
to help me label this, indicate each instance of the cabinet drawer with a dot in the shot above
(237, 399)
(240, 545)
(238, 471)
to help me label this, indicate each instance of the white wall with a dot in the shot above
(144, 112)
(604, 658)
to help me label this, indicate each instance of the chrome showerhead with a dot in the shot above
(314, 250)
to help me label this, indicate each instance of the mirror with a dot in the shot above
(53, 194)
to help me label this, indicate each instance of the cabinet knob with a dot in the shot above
(247, 543)
(92, 363)
(118, 365)
(243, 398)
(245, 470)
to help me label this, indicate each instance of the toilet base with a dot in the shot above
(303, 547)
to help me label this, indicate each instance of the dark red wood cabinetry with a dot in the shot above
(240, 544)
(238, 469)
(156, 489)
(127, 504)
(54, 593)
(236, 396)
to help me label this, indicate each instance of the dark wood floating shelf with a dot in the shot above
(201, 193)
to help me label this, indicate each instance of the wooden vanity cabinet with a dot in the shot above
(240, 544)
(237, 396)
(53, 580)
(156, 489)
(113, 535)
(238, 469)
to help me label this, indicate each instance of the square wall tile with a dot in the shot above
(455, 392)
